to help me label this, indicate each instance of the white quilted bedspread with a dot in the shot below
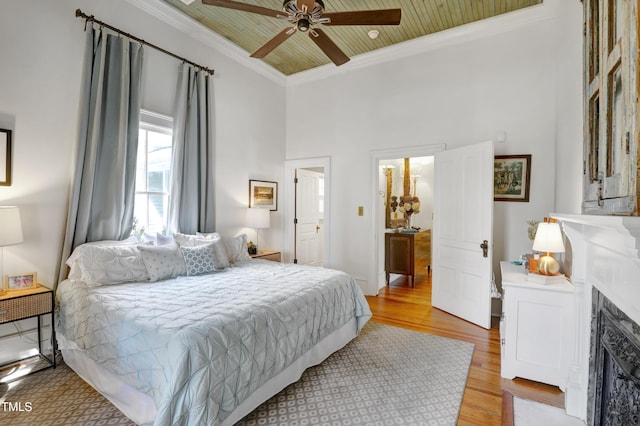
(200, 345)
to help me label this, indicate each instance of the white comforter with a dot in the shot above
(201, 345)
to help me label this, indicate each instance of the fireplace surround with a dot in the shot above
(614, 366)
(603, 262)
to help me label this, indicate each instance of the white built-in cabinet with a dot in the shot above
(536, 328)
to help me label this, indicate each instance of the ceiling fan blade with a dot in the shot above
(365, 17)
(246, 7)
(308, 3)
(273, 43)
(328, 47)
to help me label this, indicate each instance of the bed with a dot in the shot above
(198, 348)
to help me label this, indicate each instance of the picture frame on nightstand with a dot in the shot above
(20, 282)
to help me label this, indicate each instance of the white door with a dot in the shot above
(309, 218)
(463, 221)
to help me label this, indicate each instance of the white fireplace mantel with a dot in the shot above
(603, 252)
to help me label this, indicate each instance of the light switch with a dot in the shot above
(360, 211)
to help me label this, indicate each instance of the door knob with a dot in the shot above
(485, 248)
(317, 228)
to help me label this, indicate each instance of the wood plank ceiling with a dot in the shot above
(419, 18)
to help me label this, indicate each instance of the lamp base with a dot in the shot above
(547, 265)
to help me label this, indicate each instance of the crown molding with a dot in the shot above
(485, 28)
(473, 31)
(201, 33)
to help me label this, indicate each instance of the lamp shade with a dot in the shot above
(258, 218)
(10, 226)
(548, 238)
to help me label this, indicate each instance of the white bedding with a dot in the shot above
(201, 346)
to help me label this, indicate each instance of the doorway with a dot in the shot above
(406, 205)
(309, 216)
(308, 211)
(380, 158)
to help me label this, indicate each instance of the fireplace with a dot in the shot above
(614, 366)
(603, 261)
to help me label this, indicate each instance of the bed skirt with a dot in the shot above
(141, 409)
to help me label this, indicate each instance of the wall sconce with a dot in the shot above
(549, 240)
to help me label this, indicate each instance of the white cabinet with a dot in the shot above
(536, 328)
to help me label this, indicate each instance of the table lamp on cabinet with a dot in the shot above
(548, 240)
(10, 234)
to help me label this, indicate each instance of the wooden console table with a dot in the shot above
(401, 250)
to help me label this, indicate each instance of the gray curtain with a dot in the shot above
(191, 207)
(102, 196)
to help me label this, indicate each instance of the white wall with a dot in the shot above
(42, 46)
(465, 92)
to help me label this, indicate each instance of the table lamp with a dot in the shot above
(258, 218)
(10, 234)
(549, 240)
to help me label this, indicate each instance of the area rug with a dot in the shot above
(388, 375)
(531, 413)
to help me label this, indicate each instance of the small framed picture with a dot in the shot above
(511, 176)
(263, 194)
(21, 282)
(5, 157)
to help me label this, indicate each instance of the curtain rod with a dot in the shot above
(80, 14)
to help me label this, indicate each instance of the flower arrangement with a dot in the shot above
(409, 205)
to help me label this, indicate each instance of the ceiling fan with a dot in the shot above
(305, 15)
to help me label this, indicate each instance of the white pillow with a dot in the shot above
(163, 240)
(198, 259)
(219, 250)
(107, 262)
(149, 238)
(187, 240)
(237, 248)
(163, 262)
(208, 235)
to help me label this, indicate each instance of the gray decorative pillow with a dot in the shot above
(162, 262)
(219, 250)
(199, 259)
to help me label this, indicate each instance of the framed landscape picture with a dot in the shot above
(263, 194)
(511, 175)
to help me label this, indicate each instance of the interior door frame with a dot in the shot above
(378, 235)
(289, 174)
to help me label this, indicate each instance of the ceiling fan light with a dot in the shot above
(303, 25)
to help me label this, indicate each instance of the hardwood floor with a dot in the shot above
(400, 305)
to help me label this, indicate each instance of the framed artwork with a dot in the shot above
(5, 157)
(21, 282)
(511, 177)
(263, 194)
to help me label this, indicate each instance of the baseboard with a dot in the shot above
(507, 409)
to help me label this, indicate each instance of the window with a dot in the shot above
(152, 174)
(610, 89)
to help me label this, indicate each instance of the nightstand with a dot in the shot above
(268, 255)
(17, 305)
(536, 328)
